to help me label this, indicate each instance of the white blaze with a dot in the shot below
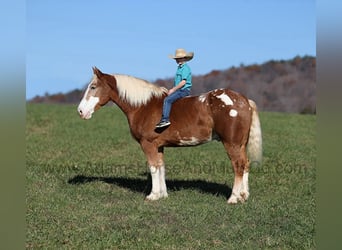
(87, 106)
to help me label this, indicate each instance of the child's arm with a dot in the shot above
(178, 86)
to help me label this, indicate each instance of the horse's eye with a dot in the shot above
(92, 87)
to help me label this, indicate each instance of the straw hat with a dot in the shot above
(181, 53)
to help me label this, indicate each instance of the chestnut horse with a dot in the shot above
(220, 114)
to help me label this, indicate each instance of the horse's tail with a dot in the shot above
(254, 146)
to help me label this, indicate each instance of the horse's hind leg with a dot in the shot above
(238, 157)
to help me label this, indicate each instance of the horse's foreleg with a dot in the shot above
(157, 169)
(155, 192)
(159, 189)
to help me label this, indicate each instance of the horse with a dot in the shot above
(220, 114)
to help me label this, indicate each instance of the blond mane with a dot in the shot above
(137, 91)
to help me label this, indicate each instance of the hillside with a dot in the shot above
(283, 86)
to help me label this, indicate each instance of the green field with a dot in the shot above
(86, 182)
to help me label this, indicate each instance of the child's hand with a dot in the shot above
(170, 91)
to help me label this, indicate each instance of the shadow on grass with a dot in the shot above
(144, 186)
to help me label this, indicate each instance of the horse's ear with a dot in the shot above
(97, 72)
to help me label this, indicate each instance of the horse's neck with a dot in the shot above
(133, 113)
(126, 108)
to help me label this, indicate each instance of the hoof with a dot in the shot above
(244, 196)
(152, 197)
(156, 196)
(164, 195)
(232, 200)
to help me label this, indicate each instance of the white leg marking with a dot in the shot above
(240, 190)
(235, 196)
(236, 192)
(245, 189)
(155, 193)
(163, 188)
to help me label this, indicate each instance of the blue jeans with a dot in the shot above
(171, 99)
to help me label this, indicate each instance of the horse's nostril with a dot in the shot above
(80, 111)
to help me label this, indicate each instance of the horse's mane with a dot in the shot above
(137, 91)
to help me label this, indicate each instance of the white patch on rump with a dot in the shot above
(225, 98)
(202, 98)
(233, 113)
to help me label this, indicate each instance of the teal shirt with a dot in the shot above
(183, 73)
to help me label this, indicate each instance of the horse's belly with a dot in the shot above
(193, 139)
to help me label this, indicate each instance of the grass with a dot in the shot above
(86, 182)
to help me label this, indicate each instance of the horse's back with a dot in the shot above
(201, 118)
(220, 107)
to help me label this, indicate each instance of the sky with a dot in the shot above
(65, 39)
